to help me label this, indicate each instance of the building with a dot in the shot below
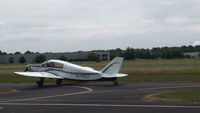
(103, 56)
(73, 56)
(192, 54)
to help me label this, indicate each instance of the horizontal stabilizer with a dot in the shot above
(39, 75)
(114, 75)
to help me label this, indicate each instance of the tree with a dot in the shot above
(115, 52)
(129, 54)
(3, 53)
(22, 60)
(93, 57)
(17, 53)
(40, 59)
(28, 52)
(63, 58)
(11, 60)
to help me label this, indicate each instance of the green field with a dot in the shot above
(176, 96)
(138, 70)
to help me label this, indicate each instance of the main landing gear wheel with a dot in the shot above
(59, 81)
(115, 83)
(40, 82)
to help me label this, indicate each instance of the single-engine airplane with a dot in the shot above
(60, 70)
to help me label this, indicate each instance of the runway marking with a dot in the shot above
(86, 101)
(154, 88)
(168, 87)
(101, 105)
(51, 96)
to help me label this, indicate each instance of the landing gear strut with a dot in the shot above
(59, 81)
(40, 82)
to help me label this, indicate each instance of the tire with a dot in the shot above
(40, 83)
(115, 83)
(59, 81)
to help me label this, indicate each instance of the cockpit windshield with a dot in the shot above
(43, 64)
(54, 65)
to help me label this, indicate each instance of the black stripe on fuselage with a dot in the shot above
(67, 72)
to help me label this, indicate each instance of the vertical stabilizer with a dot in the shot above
(114, 66)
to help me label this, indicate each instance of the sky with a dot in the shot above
(73, 25)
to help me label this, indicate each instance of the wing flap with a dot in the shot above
(39, 75)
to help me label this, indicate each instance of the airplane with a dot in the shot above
(60, 70)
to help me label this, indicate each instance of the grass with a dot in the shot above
(192, 95)
(138, 70)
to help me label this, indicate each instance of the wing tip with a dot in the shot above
(17, 73)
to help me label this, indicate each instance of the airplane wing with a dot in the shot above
(114, 75)
(39, 75)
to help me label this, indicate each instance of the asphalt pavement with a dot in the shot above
(93, 97)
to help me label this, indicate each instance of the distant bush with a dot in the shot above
(63, 58)
(40, 59)
(11, 60)
(93, 57)
(22, 59)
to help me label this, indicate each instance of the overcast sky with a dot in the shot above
(72, 25)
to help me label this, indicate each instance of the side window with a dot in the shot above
(50, 64)
(54, 65)
(43, 64)
(58, 65)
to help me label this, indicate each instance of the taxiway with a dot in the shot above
(97, 97)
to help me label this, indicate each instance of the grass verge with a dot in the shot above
(157, 70)
(191, 95)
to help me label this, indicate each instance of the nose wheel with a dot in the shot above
(58, 82)
(40, 82)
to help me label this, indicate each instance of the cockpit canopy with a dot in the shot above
(52, 64)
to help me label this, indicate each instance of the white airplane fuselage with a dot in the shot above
(68, 70)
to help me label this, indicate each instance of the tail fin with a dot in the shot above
(114, 66)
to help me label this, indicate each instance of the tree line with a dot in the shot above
(18, 53)
(38, 59)
(154, 53)
(128, 54)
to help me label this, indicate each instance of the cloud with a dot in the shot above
(2, 22)
(192, 28)
(196, 43)
(70, 25)
(176, 20)
(168, 2)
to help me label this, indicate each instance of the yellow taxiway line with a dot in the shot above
(88, 90)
